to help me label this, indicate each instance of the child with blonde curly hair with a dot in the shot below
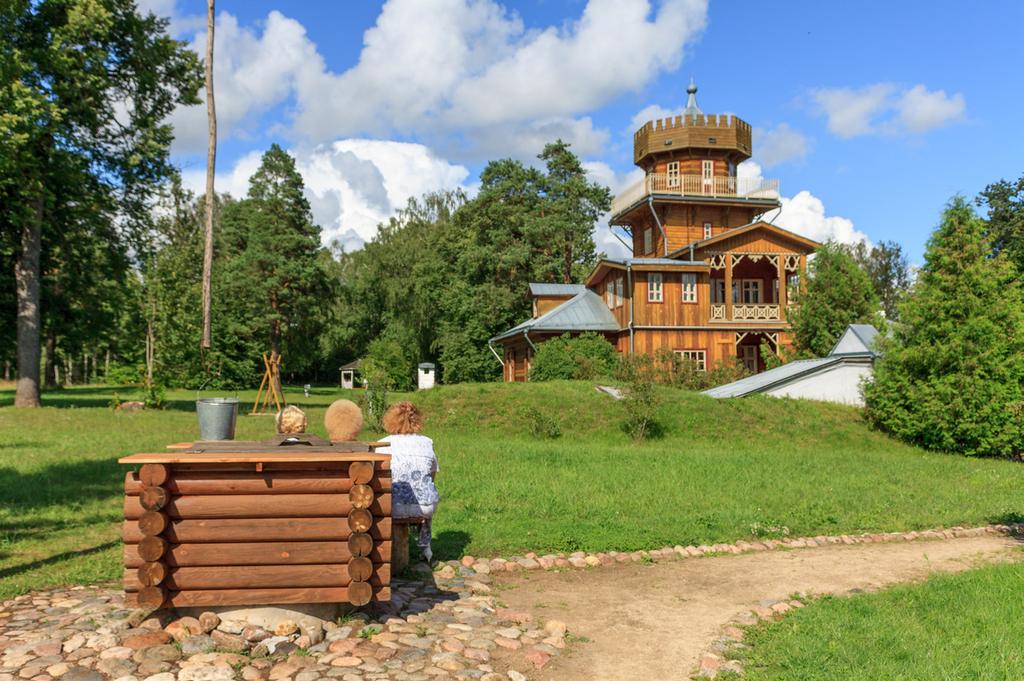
(413, 467)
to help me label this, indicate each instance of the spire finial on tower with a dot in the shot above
(692, 110)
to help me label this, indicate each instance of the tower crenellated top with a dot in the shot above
(693, 129)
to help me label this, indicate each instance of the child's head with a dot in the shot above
(403, 418)
(343, 421)
(291, 419)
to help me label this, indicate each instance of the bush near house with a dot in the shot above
(951, 376)
(582, 357)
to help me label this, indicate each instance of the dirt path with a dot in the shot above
(654, 621)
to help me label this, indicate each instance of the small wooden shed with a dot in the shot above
(350, 375)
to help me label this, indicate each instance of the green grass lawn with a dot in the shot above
(964, 626)
(723, 471)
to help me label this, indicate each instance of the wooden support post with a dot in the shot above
(399, 547)
(728, 286)
(782, 286)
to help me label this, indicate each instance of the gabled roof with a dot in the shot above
(541, 289)
(856, 336)
(585, 311)
(737, 231)
(857, 339)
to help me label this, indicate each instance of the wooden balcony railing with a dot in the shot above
(760, 312)
(696, 185)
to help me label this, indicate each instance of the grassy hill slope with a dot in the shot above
(724, 470)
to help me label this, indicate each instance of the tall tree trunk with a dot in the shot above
(26, 279)
(211, 161)
(275, 350)
(7, 369)
(50, 370)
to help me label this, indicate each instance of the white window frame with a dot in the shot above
(648, 240)
(688, 281)
(707, 230)
(619, 298)
(707, 174)
(698, 357)
(655, 288)
(672, 174)
(751, 286)
(609, 295)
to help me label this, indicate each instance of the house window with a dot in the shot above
(673, 174)
(648, 240)
(707, 177)
(697, 357)
(618, 292)
(689, 281)
(707, 230)
(751, 289)
(654, 291)
(718, 291)
(609, 294)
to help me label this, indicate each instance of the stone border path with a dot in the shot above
(445, 625)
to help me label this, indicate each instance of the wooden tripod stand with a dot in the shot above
(272, 382)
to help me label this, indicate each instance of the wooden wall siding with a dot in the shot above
(759, 241)
(517, 361)
(671, 311)
(237, 533)
(720, 344)
(544, 304)
(731, 134)
(685, 224)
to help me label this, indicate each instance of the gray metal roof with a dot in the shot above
(855, 345)
(585, 311)
(857, 339)
(541, 289)
(771, 378)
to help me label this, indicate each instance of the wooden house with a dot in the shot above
(698, 231)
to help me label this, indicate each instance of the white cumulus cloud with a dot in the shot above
(779, 144)
(805, 214)
(352, 185)
(883, 108)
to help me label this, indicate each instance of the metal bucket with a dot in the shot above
(217, 416)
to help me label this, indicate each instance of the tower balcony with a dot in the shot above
(661, 185)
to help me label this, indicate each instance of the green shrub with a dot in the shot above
(951, 376)
(641, 405)
(669, 369)
(540, 425)
(583, 357)
(124, 374)
(391, 360)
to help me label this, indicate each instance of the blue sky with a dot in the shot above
(872, 115)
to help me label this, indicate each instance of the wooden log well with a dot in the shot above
(204, 529)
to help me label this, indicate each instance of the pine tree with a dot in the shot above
(951, 374)
(837, 293)
(272, 269)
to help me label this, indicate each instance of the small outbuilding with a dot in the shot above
(425, 375)
(837, 377)
(350, 376)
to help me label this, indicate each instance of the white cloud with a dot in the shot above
(651, 112)
(352, 185)
(444, 70)
(921, 110)
(883, 108)
(251, 74)
(779, 144)
(804, 214)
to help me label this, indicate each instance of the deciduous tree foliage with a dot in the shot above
(1005, 203)
(950, 377)
(889, 271)
(87, 86)
(837, 293)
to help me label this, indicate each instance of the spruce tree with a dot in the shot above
(950, 377)
(838, 292)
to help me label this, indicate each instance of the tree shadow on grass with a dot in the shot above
(61, 484)
(449, 545)
(57, 558)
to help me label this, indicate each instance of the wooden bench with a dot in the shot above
(400, 542)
